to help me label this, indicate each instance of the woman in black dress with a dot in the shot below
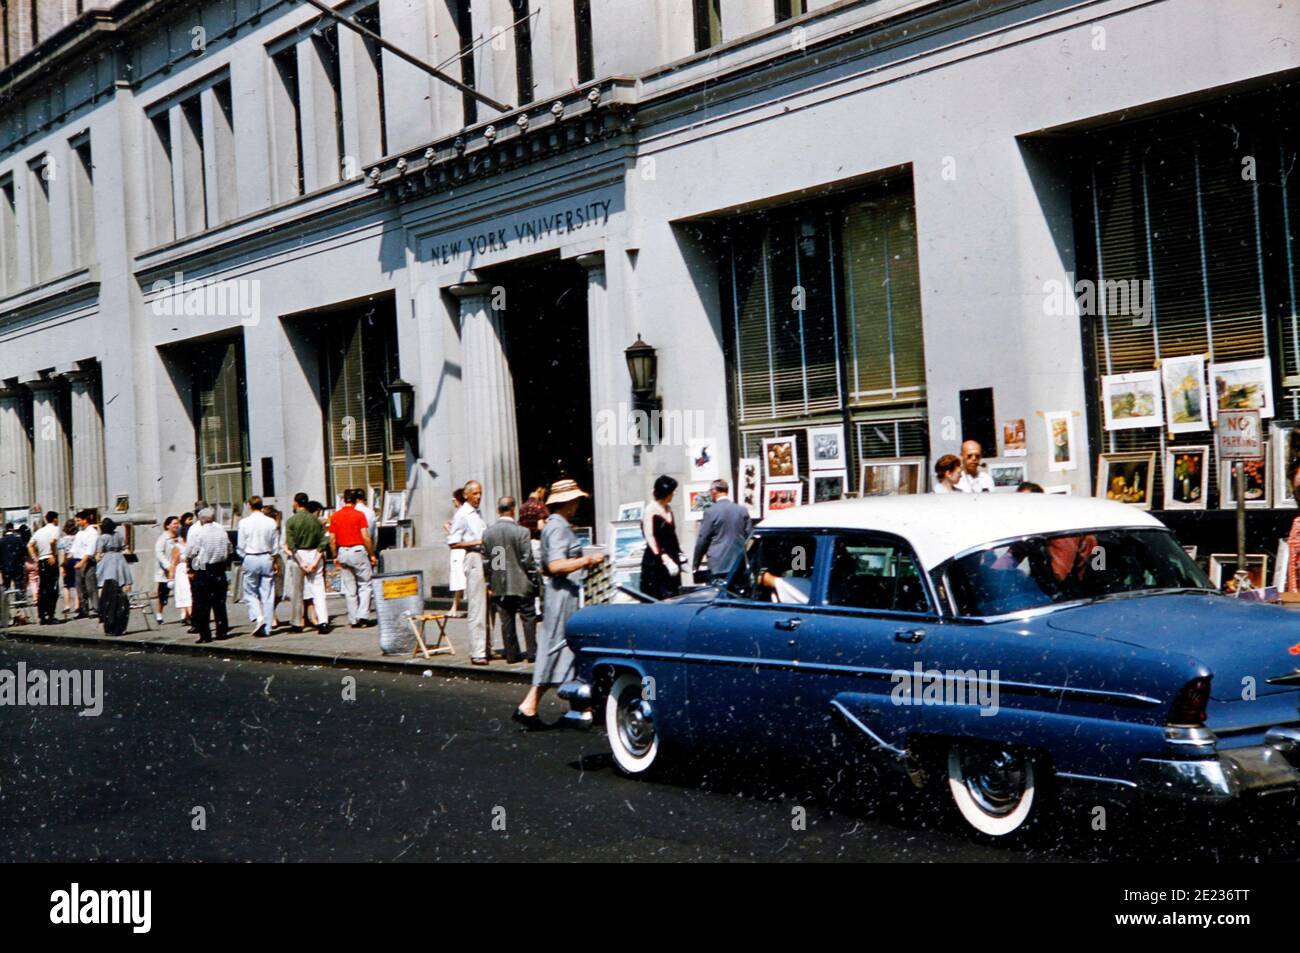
(661, 563)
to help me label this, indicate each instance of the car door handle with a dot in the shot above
(788, 625)
(909, 635)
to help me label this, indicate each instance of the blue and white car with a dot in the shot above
(992, 646)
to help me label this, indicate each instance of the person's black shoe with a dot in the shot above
(262, 633)
(222, 636)
(324, 628)
(528, 722)
(204, 639)
(514, 659)
(295, 628)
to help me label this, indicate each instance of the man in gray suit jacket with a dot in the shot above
(723, 531)
(508, 552)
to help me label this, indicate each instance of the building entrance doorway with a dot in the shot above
(546, 345)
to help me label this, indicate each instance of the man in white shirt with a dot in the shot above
(467, 528)
(974, 477)
(43, 548)
(82, 551)
(207, 549)
(369, 511)
(256, 544)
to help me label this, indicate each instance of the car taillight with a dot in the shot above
(1189, 704)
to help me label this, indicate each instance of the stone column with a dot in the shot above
(609, 387)
(89, 486)
(50, 446)
(16, 480)
(490, 453)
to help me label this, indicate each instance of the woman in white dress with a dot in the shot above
(179, 576)
(456, 577)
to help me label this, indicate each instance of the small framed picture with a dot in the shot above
(697, 500)
(780, 460)
(1242, 385)
(631, 511)
(1191, 551)
(1186, 401)
(1223, 571)
(826, 450)
(1130, 401)
(1256, 494)
(1284, 440)
(893, 477)
(1013, 438)
(1062, 454)
(1061, 489)
(749, 486)
(782, 497)
(394, 507)
(1187, 477)
(1127, 478)
(122, 504)
(584, 534)
(627, 542)
(1007, 475)
(702, 457)
(829, 485)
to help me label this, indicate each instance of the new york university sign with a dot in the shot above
(535, 229)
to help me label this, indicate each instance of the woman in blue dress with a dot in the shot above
(564, 568)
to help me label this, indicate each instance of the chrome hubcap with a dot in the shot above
(636, 723)
(995, 778)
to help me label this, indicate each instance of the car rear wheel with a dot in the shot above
(992, 786)
(630, 723)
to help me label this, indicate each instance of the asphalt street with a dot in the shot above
(285, 768)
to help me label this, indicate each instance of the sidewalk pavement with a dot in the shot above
(344, 646)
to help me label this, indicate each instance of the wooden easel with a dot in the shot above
(441, 646)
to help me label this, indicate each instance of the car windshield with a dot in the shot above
(1041, 571)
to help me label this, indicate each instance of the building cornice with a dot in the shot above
(593, 112)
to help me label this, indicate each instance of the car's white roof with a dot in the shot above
(940, 526)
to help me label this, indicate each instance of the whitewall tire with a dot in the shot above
(630, 724)
(992, 787)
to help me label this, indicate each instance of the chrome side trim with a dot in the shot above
(858, 723)
(1093, 779)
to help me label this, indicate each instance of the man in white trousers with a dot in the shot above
(256, 543)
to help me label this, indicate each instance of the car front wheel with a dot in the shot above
(992, 786)
(630, 723)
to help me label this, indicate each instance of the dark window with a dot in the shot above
(777, 567)
(873, 573)
(1185, 228)
(523, 51)
(286, 66)
(221, 422)
(787, 9)
(582, 29)
(708, 24)
(825, 324)
(465, 36)
(363, 447)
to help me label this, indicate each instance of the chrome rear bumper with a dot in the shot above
(1269, 768)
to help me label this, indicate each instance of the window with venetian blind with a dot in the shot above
(1202, 206)
(363, 448)
(826, 323)
(221, 416)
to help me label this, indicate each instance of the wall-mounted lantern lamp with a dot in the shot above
(401, 401)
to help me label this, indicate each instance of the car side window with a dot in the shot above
(875, 574)
(778, 567)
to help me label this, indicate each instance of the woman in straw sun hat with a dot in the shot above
(564, 567)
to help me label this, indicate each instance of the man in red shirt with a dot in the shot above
(354, 554)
